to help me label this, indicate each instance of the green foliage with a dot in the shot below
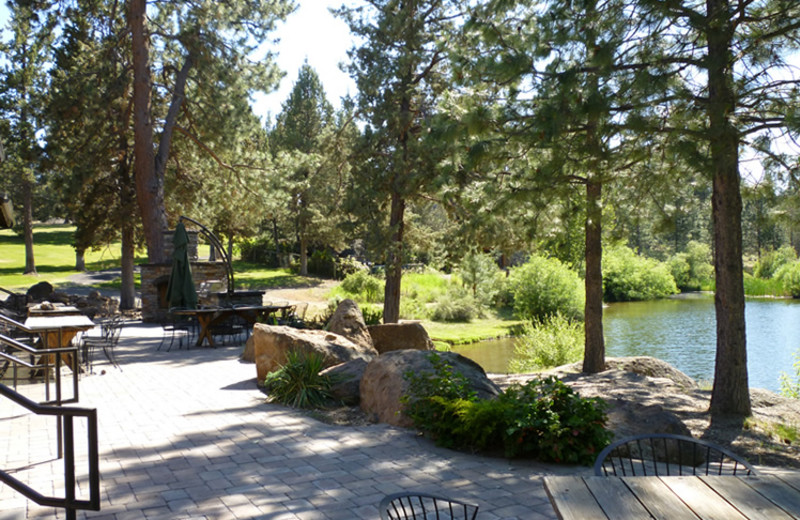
(790, 386)
(455, 306)
(479, 273)
(362, 286)
(789, 276)
(548, 421)
(543, 287)
(543, 419)
(692, 269)
(771, 261)
(629, 277)
(258, 250)
(372, 315)
(551, 342)
(763, 287)
(298, 382)
(427, 287)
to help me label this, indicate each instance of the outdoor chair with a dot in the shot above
(110, 331)
(176, 327)
(663, 454)
(424, 506)
(297, 315)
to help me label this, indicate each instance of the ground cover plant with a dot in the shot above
(299, 383)
(543, 419)
(547, 343)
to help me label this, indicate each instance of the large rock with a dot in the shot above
(271, 343)
(40, 292)
(400, 336)
(348, 321)
(346, 381)
(383, 383)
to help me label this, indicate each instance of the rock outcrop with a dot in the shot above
(346, 377)
(348, 321)
(271, 343)
(383, 383)
(400, 336)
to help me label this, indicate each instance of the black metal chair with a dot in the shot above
(110, 331)
(424, 506)
(176, 327)
(664, 454)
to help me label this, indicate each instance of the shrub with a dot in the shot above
(259, 250)
(543, 287)
(771, 261)
(372, 315)
(629, 277)
(548, 421)
(362, 286)
(789, 276)
(298, 382)
(548, 343)
(692, 269)
(790, 386)
(455, 306)
(543, 419)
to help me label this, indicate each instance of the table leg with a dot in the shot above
(205, 330)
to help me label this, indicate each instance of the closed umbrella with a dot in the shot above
(181, 291)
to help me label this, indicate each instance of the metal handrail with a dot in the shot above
(66, 414)
(56, 352)
(218, 245)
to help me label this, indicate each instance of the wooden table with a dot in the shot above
(207, 318)
(57, 310)
(676, 498)
(58, 331)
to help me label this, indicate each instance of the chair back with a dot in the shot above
(664, 454)
(424, 506)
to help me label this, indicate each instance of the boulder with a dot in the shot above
(271, 343)
(346, 381)
(383, 383)
(40, 292)
(348, 321)
(627, 417)
(249, 354)
(400, 336)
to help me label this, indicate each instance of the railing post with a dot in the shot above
(69, 466)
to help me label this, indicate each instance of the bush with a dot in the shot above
(372, 315)
(630, 277)
(692, 270)
(790, 386)
(548, 343)
(259, 250)
(455, 306)
(789, 276)
(771, 261)
(543, 287)
(298, 383)
(362, 286)
(543, 419)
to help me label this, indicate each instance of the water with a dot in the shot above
(681, 331)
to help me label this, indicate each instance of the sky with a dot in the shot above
(311, 33)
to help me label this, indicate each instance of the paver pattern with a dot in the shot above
(187, 434)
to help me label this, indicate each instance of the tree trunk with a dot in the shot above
(594, 357)
(149, 188)
(303, 253)
(80, 260)
(730, 394)
(127, 297)
(277, 244)
(27, 224)
(394, 261)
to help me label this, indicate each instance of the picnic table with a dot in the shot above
(58, 331)
(208, 317)
(688, 497)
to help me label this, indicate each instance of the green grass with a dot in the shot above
(252, 276)
(763, 287)
(53, 256)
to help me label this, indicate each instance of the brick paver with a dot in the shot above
(187, 435)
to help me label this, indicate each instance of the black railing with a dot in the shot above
(64, 414)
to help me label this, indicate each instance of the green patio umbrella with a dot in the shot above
(180, 291)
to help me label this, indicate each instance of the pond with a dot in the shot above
(681, 331)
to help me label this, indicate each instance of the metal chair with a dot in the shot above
(176, 327)
(664, 454)
(110, 331)
(424, 506)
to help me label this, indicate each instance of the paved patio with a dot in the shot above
(187, 435)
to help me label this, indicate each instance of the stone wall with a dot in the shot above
(154, 281)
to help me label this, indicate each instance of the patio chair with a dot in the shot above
(424, 506)
(176, 327)
(110, 331)
(664, 454)
(297, 315)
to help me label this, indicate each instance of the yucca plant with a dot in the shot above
(298, 382)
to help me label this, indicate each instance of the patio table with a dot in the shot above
(208, 317)
(690, 497)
